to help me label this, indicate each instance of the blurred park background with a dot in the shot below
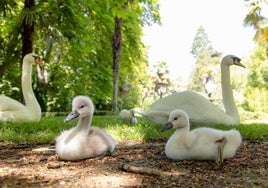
(97, 48)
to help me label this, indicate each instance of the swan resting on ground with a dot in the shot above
(127, 116)
(14, 111)
(83, 141)
(201, 143)
(201, 111)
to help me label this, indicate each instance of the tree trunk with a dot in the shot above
(27, 31)
(27, 41)
(116, 44)
(27, 34)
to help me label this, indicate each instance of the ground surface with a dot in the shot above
(37, 166)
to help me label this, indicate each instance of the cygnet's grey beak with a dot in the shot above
(74, 114)
(167, 126)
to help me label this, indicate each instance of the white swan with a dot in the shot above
(199, 144)
(83, 141)
(200, 110)
(12, 110)
(127, 116)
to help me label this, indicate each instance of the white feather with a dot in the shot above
(83, 141)
(200, 110)
(198, 144)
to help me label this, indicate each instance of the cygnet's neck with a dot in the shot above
(82, 128)
(183, 130)
(180, 135)
(84, 123)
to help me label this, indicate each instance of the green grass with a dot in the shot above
(49, 128)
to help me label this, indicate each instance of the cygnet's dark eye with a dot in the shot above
(82, 106)
(175, 118)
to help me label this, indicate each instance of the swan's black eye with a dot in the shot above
(175, 118)
(236, 59)
(82, 106)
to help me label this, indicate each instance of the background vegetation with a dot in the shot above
(77, 43)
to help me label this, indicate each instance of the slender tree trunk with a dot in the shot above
(27, 41)
(146, 170)
(27, 34)
(27, 31)
(116, 44)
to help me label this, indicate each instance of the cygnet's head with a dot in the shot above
(128, 116)
(231, 60)
(177, 119)
(82, 106)
(31, 57)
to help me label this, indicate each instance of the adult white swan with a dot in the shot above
(200, 110)
(12, 110)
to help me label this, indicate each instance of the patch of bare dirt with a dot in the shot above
(37, 166)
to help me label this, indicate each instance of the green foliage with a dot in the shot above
(74, 39)
(254, 131)
(248, 131)
(257, 83)
(201, 42)
(258, 20)
(207, 61)
(42, 132)
(205, 64)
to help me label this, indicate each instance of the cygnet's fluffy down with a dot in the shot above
(83, 141)
(128, 116)
(201, 143)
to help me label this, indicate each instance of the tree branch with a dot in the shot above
(145, 170)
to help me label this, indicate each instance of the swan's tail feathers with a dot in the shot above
(234, 140)
(221, 145)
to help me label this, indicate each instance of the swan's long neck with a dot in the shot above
(82, 128)
(227, 93)
(27, 90)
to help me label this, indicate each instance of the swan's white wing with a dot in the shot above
(156, 116)
(200, 110)
(9, 104)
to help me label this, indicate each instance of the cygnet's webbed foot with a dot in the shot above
(221, 145)
(219, 155)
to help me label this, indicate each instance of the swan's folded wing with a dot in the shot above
(9, 104)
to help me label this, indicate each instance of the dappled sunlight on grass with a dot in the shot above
(142, 131)
(49, 128)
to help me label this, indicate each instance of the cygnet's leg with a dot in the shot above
(221, 145)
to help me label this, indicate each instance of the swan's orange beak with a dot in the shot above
(237, 62)
(38, 60)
